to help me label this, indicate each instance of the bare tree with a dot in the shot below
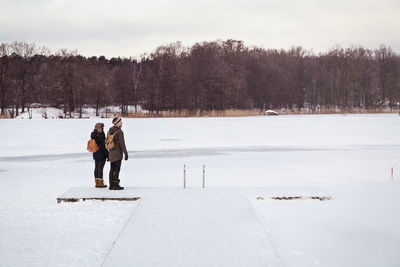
(27, 61)
(387, 70)
(4, 77)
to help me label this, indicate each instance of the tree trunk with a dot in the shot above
(3, 103)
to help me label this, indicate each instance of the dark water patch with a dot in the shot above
(33, 158)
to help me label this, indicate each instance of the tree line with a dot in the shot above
(216, 75)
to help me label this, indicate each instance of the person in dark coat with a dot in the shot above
(116, 154)
(101, 155)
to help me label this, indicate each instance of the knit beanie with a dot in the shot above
(116, 120)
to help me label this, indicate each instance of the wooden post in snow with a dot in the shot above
(204, 176)
(184, 176)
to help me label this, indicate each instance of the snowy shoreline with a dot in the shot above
(90, 113)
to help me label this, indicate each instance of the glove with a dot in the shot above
(126, 156)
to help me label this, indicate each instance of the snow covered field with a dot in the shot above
(348, 158)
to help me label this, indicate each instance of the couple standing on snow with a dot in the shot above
(114, 155)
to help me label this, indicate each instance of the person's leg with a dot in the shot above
(111, 175)
(115, 177)
(96, 167)
(99, 175)
(117, 170)
(100, 169)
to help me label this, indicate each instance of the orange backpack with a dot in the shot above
(92, 146)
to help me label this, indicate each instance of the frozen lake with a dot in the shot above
(250, 151)
(346, 157)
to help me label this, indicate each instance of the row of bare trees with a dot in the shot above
(207, 76)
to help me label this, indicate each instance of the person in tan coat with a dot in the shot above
(116, 154)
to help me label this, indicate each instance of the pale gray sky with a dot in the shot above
(130, 28)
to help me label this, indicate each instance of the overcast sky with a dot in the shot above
(130, 28)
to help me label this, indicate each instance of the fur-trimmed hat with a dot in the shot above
(116, 120)
(99, 125)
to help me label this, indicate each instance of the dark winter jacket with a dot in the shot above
(116, 153)
(100, 138)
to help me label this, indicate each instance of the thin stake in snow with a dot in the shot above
(392, 173)
(204, 176)
(184, 176)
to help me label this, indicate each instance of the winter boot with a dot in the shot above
(115, 186)
(110, 180)
(118, 180)
(100, 183)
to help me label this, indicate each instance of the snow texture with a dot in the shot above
(41, 113)
(233, 221)
(56, 113)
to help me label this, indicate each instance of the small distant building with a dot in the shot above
(270, 112)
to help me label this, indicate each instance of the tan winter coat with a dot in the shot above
(116, 153)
